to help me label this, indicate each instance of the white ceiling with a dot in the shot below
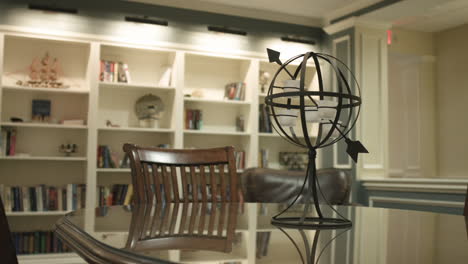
(304, 12)
(420, 15)
(424, 15)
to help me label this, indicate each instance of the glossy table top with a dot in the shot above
(242, 233)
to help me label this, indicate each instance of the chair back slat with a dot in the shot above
(155, 173)
(221, 220)
(175, 183)
(185, 186)
(222, 182)
(203, 184)
(183, 218)
(156, 182)
(166, 183)
(175, 213)
(193, 218)
(194, 184)
(196, 235)
(213, 184)
(201, 222)
(154, 224)
(211, 222)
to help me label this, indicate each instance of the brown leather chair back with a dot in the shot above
(282, 186)
(7, 248)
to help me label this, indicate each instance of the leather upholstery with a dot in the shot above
(270, 185)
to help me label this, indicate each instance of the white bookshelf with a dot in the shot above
(94, 101)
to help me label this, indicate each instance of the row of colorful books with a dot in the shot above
(8, 142)
(193, 119)
(263, 158)
(38, 242)
(264, 121)
(235, 91)
(240, 159)
(112, 71)
(117, 194)
(43, 198)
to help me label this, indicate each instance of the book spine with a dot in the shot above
(8, 140)
(26, 203)
(59, 199)
(40, 206)
(13, 143)
(127, 73)
(45, 197)
(116, 72)
(75, 197)
(129, 195)
(102, 70)
(70, 197)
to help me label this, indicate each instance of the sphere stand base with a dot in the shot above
(311, 223)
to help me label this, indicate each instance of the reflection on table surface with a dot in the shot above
(242, 233)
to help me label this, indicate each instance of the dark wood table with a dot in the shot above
(242, 233)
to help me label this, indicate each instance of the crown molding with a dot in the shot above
(355, 22)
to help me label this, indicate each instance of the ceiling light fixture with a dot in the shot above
(227, 30)
(299, 40)
(147, 20)
(53, 8)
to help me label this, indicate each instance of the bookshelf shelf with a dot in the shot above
(40, 125)
(51, 258)
(109, 170)
(262, 134)
(130, 86)
(212, 101)
(45, 90)
(137, 129)
(213, 132)
(43, 158)
(43, 213)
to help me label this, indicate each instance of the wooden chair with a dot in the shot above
(205, 174)
(183, 226)
(7, 248)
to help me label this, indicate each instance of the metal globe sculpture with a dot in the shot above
(295, 109)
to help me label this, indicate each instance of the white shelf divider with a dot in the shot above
(119, 170)
(119, 85)
(137, 129)
(42, 125)
(41, 213)
(47, 90)
(213, 132)
(51, 258)
(43, 158)
(211, 101)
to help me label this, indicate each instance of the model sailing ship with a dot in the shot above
(44, 73)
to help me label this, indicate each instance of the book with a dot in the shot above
(127, 72)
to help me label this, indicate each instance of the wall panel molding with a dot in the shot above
(449, 186)
(346, 59)
(371, 73)
(422, 202)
